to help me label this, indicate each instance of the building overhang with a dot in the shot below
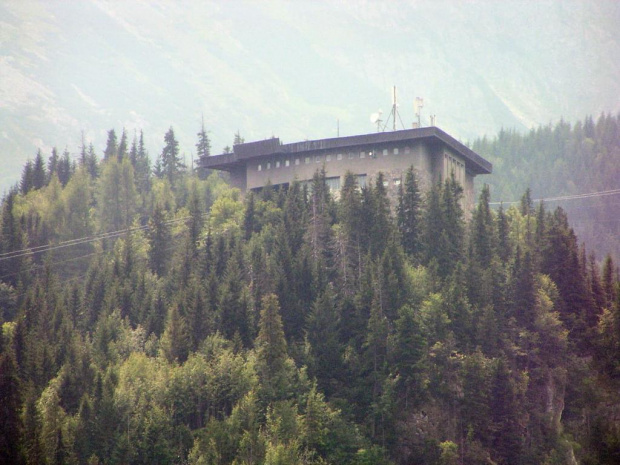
(269, 147)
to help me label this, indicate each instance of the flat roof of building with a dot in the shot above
(269, 147)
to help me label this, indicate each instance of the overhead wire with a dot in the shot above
(565, 197)
(80, 240)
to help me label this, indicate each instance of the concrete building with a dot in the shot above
(433, 153)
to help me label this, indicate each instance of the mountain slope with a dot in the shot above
(293, 69)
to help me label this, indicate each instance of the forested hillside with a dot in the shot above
(564, 160)
(155, 316)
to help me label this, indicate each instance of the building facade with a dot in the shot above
(432, 152)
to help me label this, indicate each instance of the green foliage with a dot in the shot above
(294, 327)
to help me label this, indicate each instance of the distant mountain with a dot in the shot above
(293, 69)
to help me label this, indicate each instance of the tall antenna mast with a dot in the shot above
(394, 108)
(418, 105)
(394, 113)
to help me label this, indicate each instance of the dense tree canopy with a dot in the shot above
(171, 320)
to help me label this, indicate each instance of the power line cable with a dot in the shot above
(80, 240)
(566, 197)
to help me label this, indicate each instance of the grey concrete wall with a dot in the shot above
(380, 158)
(430, 163)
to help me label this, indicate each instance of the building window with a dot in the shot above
(260, 167)
(386, 183)
(351, 155)
(287, 163)
(339, 157)
(328, 158)
(361, 180)
(333, 184)
(268, 165)
(278, 164)
(307, 160)
(397, 182)
(317, 159)
(385, 152)
(395, 150)
(407, 149)
(362, 154)
(296, 161)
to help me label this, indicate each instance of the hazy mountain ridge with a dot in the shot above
(293, 70)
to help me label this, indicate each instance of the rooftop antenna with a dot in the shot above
(394, 113)
(375, 118)
(417, 107)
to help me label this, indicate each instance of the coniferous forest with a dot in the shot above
(150, 314)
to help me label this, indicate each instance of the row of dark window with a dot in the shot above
(329, 157)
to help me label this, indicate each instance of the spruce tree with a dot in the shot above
(409, 214)
(10, 406)
(170, 163)
(122, 151)
(609, 278)
(27, 181)
(111, 148)
(322, 330)
(159, 237)
(203, 146)
(52, 165)
(39, 175)
(271, 351)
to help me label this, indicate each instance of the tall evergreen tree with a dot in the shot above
(65, 168)
(409, 214)
(483, 230)
(111, 148)
(122, 151)
(52, 165)
(381, 224)
(322, 331)
(39, 175)
(27, 181)
(170, 162)
(271, 350)
(159, 236)
(203, 146)
(10, 405)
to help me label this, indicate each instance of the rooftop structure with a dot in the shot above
(432, 152)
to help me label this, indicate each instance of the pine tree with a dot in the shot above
(409, 354)
(111, 148)
(159, 237)
(141, 164)
(65, 168)
(322, 330)
(10, 406)
(92, 162)
(249, 220)
(271, 350)
(122, 147)
(452, 235)
(504, 246)
(381, 224)
(170, 162)
(609, 278)
(233, 304)
(175, 341)
(203, 146)
(483, 231)
(196, 218)
(39, 175)
(27, 181)
(507, 432)
(52, 165)
(409, 214)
